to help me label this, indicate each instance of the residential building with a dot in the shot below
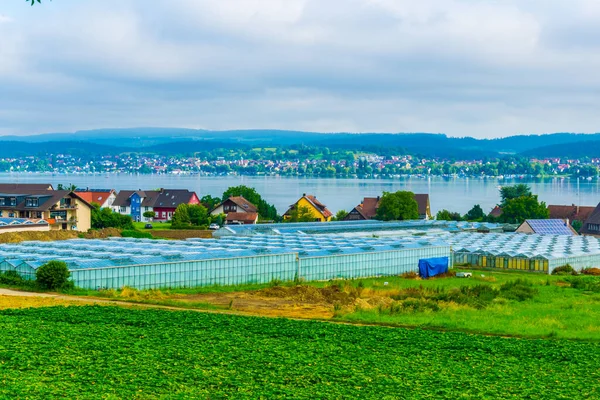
(368, 208)
(496, 212)
(591, 226)
(63, 209)
(162, 203)
(103, 197)
(241, 218)
(318, 210)
(238, 210)
(547, 227)
(167, 201)
(571, 213)
(23, 187)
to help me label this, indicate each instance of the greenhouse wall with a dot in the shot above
(502, 262)
(364, 265)
(577, 262)
(224, 271)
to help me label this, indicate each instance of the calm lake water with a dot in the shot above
(455, 194)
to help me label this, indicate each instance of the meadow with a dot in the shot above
(113, 353)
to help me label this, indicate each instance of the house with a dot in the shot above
(162, 203)
(167, 201)
(23, 187)
(318, 210)
(571, 213)
(241, 218)
(104, 197)
(129, 202)
(62, 209)
(591, 226)
(547, 227)
(23, 225)
(237, 206)
(368, 208)
(496, 212)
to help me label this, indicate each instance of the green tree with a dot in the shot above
(400, 205)
(106, 218)
(512, 192)
(53, 275)
(341, 215)
(475, 214)
(209, 201)
(190, 216)
(300, 214)
(70, 187)
(445, 215)
(266, 211)
(517, 210)
(198, 215)
(181, 217)
(149, 214)
(577, 225)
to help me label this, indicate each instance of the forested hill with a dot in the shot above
(179, 140)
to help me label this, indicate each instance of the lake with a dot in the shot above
(455, 194)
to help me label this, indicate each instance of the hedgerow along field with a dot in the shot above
(110, 352)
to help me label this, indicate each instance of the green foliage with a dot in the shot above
(149, 214)
(137, 234)
(585, 283)
(340, 215)
(577, 225)
(564, 270)
(475, 214)
(266, 211)
(517, 210)
(53, 275)
(71, 187)
(300, 214)
(12, 278)
(514, 192)
(106, 218)
(111, 352)
(189, 216)
(445, 215)
(210, 202)
(397, 206)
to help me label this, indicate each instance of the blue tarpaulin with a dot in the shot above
(433, 266)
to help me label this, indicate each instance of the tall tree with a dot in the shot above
(445, 215)
(517, 210)
(400, 205)
(475, 214)
(266, 211)
(512, 192)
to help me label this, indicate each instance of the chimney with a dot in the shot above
(303, 194)
(567, 222)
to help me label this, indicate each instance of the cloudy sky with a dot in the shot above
(462, 67)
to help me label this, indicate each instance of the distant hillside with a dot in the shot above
(588, 148)
(23, 149)
(187, 141)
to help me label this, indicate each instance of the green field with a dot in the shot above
(155, 225)
(110, 352)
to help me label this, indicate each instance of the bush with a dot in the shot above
(53, 275)
(564, 270)
(519, 290)
(591, 271)
(136, 234)
(12, 278)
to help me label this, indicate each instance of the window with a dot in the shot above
(2, 201)
(11, 215)
(122, 210)
(13, 201)
(1, 213)
(32, 202)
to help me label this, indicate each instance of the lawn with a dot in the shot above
(110, 352)
(554, 309)
(155, 225)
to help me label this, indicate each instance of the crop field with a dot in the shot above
(111, 352)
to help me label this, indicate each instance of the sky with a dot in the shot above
(461, 67)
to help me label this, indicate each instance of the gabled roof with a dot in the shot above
(550, 227)
(571, 212)
(422, 200)
(171, 198)
(242, 217)
(151, 196)
(496, 212)
(123, 197)
(95, 196)
(318, 205)
(24, 187)
(594, 218)
(243, 203)
(47, 199)
(359, 210)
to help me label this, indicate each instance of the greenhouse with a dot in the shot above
(359, 227)
(146, 263)
(529, 252)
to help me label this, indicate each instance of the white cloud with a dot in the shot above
(458, 66)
